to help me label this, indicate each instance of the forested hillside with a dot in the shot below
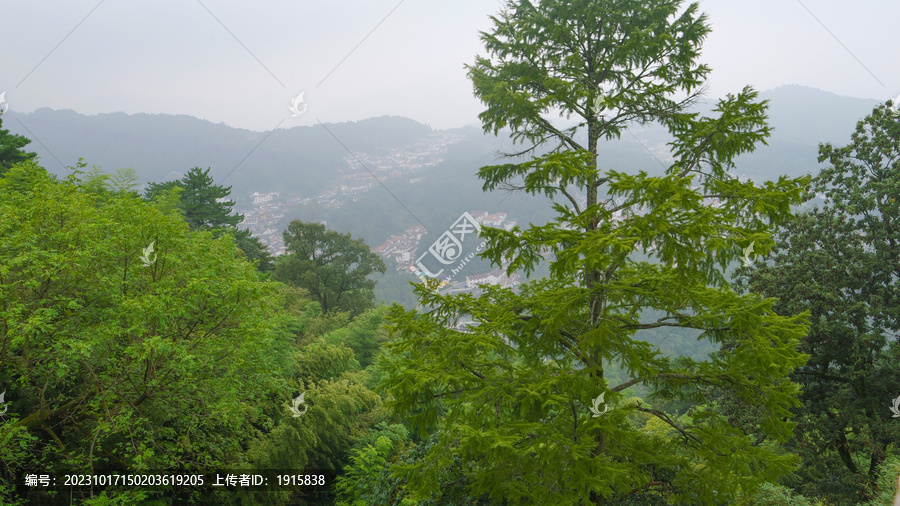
(156, 146)
(306, 160)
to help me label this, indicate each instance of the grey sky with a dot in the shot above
(174, 57)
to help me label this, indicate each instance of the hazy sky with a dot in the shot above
(241, 63)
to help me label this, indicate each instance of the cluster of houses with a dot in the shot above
(263, 218)
(424, 153)
(357, 178)
(495, 277)
(402, 248)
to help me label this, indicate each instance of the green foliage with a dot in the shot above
(507, 400)
(886, 489)
(255, 251)
(841, 263)
(563, 54)
(364, 335)
(372, 476)
(102, 185)
(452, 488)
(321, 360)
(355, 488)
(396, 433)
(863, 182)
(331, 266)
(120, 499)
(316, 324)
(155, 190)
(95, 181)
(11, 149)
(340, 406)
(200, 201)
(322, 437)
(186, 365)
(778, 495)
(124, 180)
(16, 445)
(196, 199)
(114, 364)
(168, 200)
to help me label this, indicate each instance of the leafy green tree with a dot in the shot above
(374, 480)
(168, 200)
(509, 397)
(358, 486)
(331, 266)
(863, 182)
(841, 263)
(364, 335)
(111, 363)
(11, 149)
(102, 185)
(124, 180)
(155, 190)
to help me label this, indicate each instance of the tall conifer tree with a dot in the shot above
(535, 398)
(200, 201)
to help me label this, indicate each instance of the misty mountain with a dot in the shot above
(805, 115)
(309, 160)
(159, 146)
(801, 118)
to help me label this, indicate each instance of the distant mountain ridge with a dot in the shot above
(309, 159)
(810, 116)
(157, 145)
